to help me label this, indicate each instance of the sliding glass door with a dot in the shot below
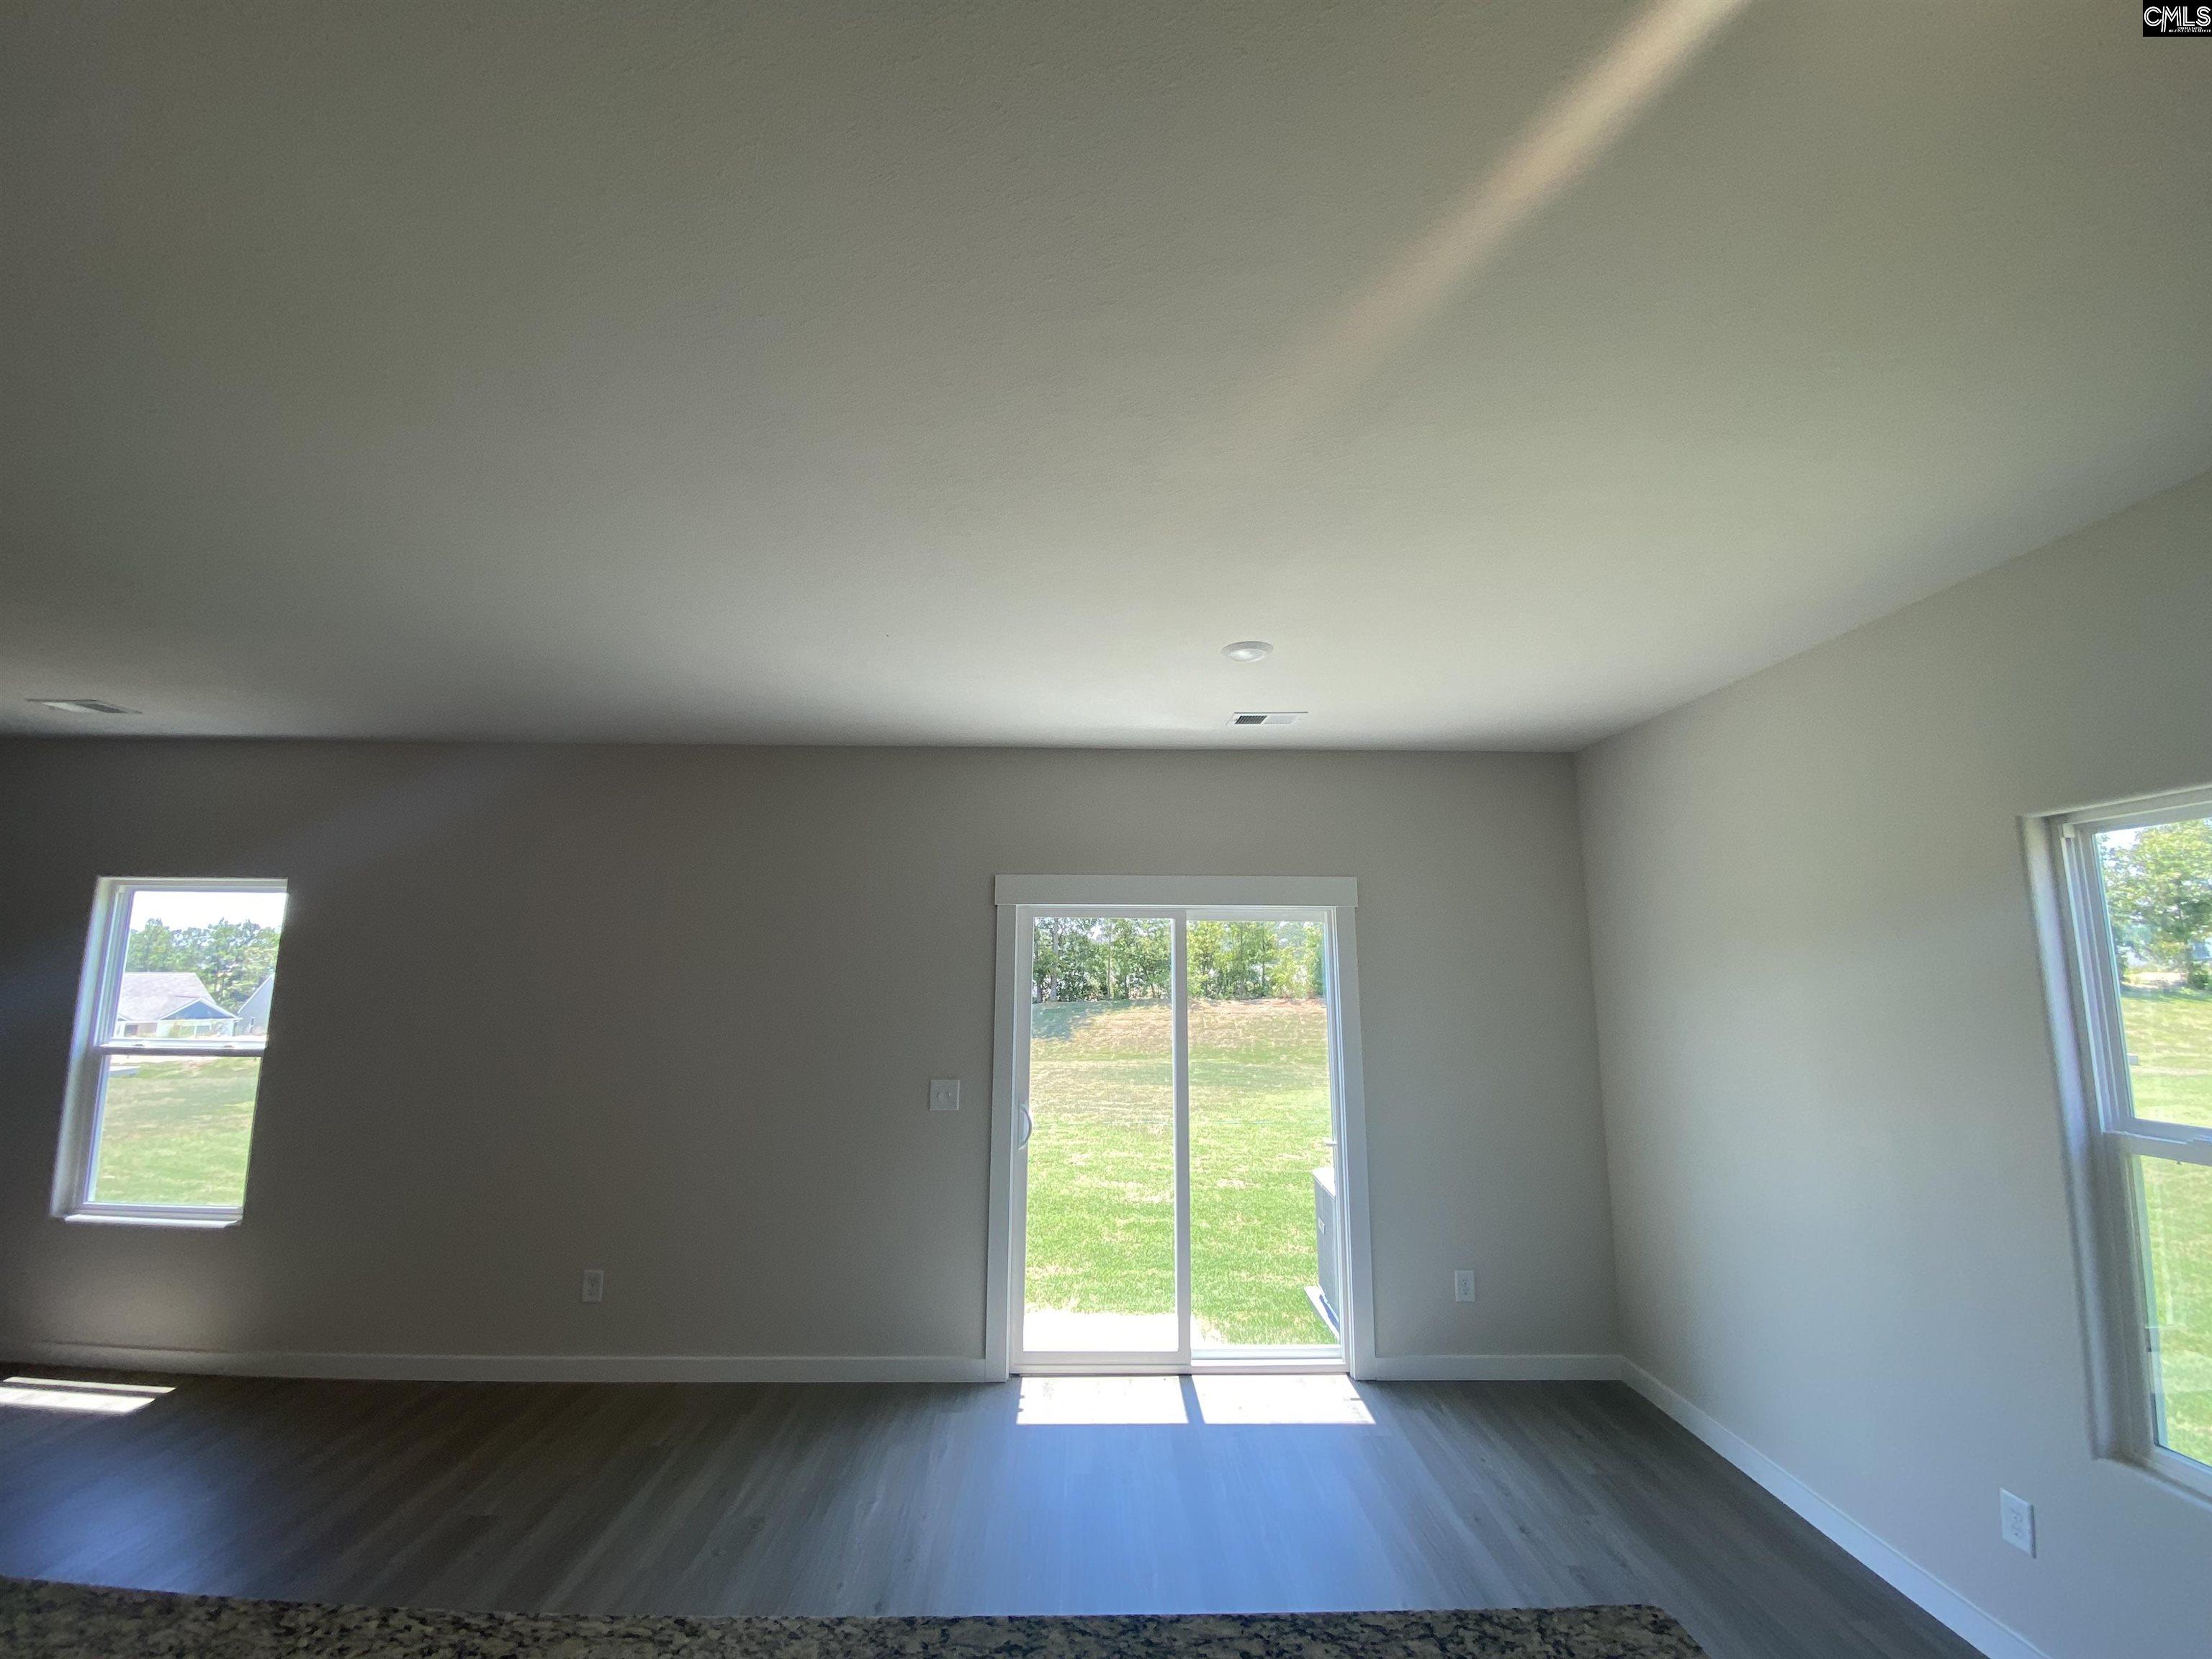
(1264, 1273)
(1103, 1259)
(1176, 1170)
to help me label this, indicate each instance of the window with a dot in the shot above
(173, 1015)
(2129, 889)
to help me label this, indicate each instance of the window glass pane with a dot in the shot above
(199, 964)
(174, 1131)
(1099, 1276)
(2177, 1203)
(1263, 1249)
(2158, 892)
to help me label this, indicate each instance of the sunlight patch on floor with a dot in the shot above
(1320, 1399)
(1063, 1401)
(56, 1393)
(1220, 1400)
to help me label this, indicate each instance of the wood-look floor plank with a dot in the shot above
(927, 1499)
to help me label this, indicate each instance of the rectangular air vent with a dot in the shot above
(1269, 717)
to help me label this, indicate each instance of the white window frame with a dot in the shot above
(2104, 1135)
(107, 947)
(1179, 899)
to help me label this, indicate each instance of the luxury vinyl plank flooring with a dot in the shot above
(928, 1498)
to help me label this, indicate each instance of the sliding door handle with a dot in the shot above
(1028, 1128)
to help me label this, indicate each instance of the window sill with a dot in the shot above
(213, 1222)
(2171, 1472)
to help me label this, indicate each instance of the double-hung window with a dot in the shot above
(171, 1020)
(2129, 896)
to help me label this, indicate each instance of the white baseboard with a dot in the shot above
(1991, 1635)
(1494, 1368)
(724, 1368)
(521, 1367)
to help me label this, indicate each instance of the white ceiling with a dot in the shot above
(972, 374)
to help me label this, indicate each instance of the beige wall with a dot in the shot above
(672, 1012)
(1831, 1102)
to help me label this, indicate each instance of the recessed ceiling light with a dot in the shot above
(82, 706)
(1247, 650)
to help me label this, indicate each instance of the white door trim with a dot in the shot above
(1095, 893)
(1356, 1314)
(1006, 1065)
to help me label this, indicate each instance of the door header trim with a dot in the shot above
(1176, 892)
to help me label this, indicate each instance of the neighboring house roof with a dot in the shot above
(165, 996)
(254, 1011)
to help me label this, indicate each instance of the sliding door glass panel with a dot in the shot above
(2158, 897)
(1263, 1237)
(1100, 1274)
(2177, 1217)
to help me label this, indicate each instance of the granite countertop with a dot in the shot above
(45, 1620)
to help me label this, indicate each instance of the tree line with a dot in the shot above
(1127, 959)
(231, 958)
(2158, 887)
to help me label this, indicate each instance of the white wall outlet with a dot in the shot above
(2016, 1521)
(1462, 1285)
(944, 1094)
(595, 1283)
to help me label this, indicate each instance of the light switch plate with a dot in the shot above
(944, 1094)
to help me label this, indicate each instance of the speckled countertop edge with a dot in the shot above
(40, 1619)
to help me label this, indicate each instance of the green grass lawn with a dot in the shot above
(1102, 1164)
(175, 1131)
(2170, 1050)
(2170, 1053)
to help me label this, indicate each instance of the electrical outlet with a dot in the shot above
(1462, 1285)
(2016, 1521)
(944, 1094)
(595, 1283)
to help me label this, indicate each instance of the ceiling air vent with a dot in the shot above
(1269, 717)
